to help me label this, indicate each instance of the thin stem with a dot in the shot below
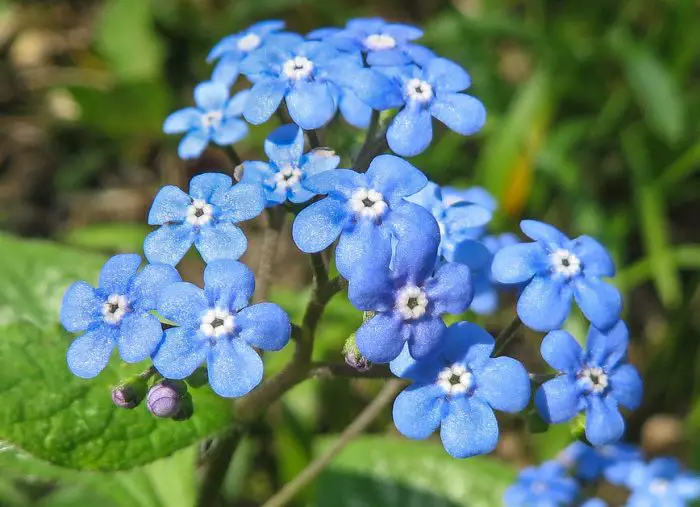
(236, 160)
(271, 237)
(217, 466)
(330, 370)
(369, 414)
(318, 268)
(505, 337)
(371, 150)
(314, 141)
(283, 114)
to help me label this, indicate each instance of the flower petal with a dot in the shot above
(372, 288)
(264, 325)
(559, 399)
(365, 245)
(118, 272)
(627, 386)
(285, 144)
(221, 241)
(373, 88)
(210, 186)
(169, 205)
(425, 336)
(183, 303)
(227, 69)
(387, 57)
(418, 410)
(236, 106)
(180, 353)
(469, 344)
(609, 348)
(146, 286)
(417, 239)
(230, 131)
(169, 243)
(243, 201)
(450, 290)
(211, 95)
(355, 111)
(234, 368)
(393, 176)
(228, 284)
(140, 334)
(600, 302)
(182, 120)
(340, 181)
(544, 233)
(311, 104)
(545, 303)
(193, 144)
(89, 353)
(447, 76)
(518, 263)
(459, 112)
(425, 371)
(81, 306)
(469, 429)
(380, 339)
(594, 257)
(318, 225)
(265, 98)
(410, 132)
(504, 383)
(318, 161)
(604, 423)
(561, 351)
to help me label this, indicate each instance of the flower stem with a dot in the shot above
(314, 141)
(375, 143)
(369, 414)
(217, 467)
(236, 160)
(330, 370)
(505, 337)
(271, 237)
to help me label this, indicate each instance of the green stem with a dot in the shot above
(375, 143)
(505, 337)
(217, 467)
(268, 253)
(314, 141)
(236, 160)
(330, 370)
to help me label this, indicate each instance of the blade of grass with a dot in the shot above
(685, 257)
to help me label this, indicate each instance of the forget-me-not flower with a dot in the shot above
(116, 313)
(216, 118)
(597, 381)
(368, 211)
(217, 327)
(589, 463)
(486, 289)
(555, 270)
(661, 483)
(546, 485)
(458, 390)
(283, 177)
(206, 217)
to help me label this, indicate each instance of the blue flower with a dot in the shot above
(589, 463)
(458, 390)
(618, 458)
(594, 502)
(546, 486)
(485, 287)
(117, 313)
(217, 327)
(408, 301)
(596, 381)
(555, 270)
(283, 177)
(475, 195)
(216, 118)
(368, 211)
(206, 217)
(303, 74)
(661, 483)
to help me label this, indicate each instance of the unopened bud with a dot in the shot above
(130, 393)
(353, 357)
(165, 398)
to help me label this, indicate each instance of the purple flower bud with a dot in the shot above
(353, 358)
(165, 398)
(130, 393)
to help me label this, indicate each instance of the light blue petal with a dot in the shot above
(450, 290)
(472, 253)
(419, 55)
(367, 244)
(228, 284)
(561, 351)
(608, 348)
(193, 144)
(266, 27)
(180, 353)
(545, 303)
(256, 172)
(600, 302)
(230, 131)
(285, 144)
(322, 33)
(339, 182)
(469, 344)
(210, 186)
(265, 98)
(264, 325)
(469, 429)
(380, 339)
(544, 233)
(227, 69)
(89, 354)
(418, 236)
(402, 32)
(688, 486)
(446, 75)
(169, 243)
(244, 201)
(518, 263)
(604, 423)
(117, 273)
(387, 57)
(299, 195)
(356, 112)
(485, 301)
(169, 205)
(559, 399)
(425, 371)
(318, 225)
(461, 216)
(504, 383)
(462, 113)
(418, 410)
(221, 241)
(411, 132)
(147, 285)
(236, 106)
(80, 307)
(371, 87)
(139, 336)
(211, 96)
(425, 336)
(183, 303)
(318, 161)
(234, 368)
(311, 104)
(626, 386)
(594, 257)
(394, 177)
(226, 45)
(372, 288)
(182, 120)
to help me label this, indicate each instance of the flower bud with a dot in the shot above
(130, 393)
(186, 408)
(353, 358)
(165, 398)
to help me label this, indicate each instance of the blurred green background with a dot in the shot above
(594, 116)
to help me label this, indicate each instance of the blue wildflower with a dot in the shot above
(596, 381)
(217, 327)
(117, 313)
(368, 211)
(458, 390)
(555, 270)
(486, 289)
(474, 195)
(589, 463)
(594, 502)
(206, 217)
(408, 301)
(283, 177)
(546, 485)
(617, 460)
(216, 118)
(661, 483)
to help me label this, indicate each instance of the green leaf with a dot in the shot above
(397, 472)
(70, 421)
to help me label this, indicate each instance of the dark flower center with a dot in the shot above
(368, 202)
(566, 262)
(198, 212)
(455, 379)
(217, 322)
(412, 302)
(419, 89)
(112, 307)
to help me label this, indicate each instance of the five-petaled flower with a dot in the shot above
(589, 463)
(661, 483)
(368, 212)
(283, 177)
(596, 381)
(206, 217)
(546, 485)
(458, 390)
(216, 118)
(217, 327)
(117, 313)
(555, 270)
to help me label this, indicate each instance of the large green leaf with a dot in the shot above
(386, 471)
(52, 414)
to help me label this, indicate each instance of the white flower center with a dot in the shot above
(287, 176)
(212, 119)
(658, 487)
(594, 378)
(368, 203)
(456, 380)
(217, 322)
(420, 91)
(199, 212)
(411, 302)
(298, 67)
(115, 308)
(565, 262)
(249, 42)
(379, 41)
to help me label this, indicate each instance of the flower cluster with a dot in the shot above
(580, 471)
